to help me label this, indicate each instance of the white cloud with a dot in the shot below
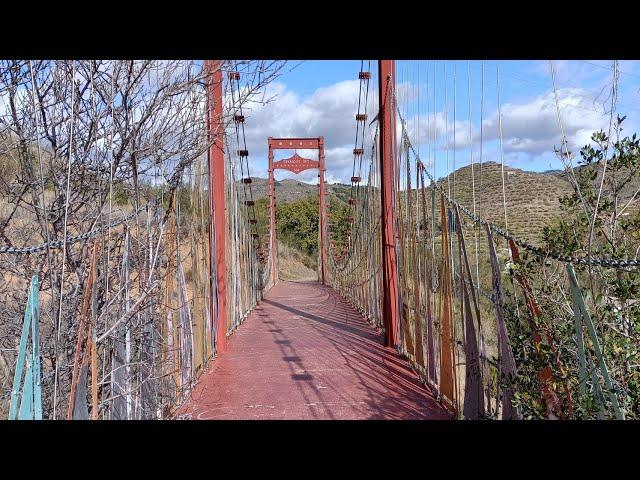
(437, 127)
(406, 92)
(328, 112)
(533, 127)
(530, 128)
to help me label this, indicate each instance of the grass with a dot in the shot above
(291, 265)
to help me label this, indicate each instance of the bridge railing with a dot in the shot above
(497, 327)
(113, 206)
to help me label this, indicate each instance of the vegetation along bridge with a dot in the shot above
(145, 274)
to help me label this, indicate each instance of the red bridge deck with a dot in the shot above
(305, 353)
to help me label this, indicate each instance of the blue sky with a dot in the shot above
(305, 77)
(319, 98)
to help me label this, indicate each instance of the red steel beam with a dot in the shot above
(323, 211)
(217, 231)
(293, 143)
(386, 88)
(272, 217)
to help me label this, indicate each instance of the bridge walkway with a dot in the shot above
(305, 353)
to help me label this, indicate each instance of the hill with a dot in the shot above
(626, 191)
(532, 198)
(291, 190)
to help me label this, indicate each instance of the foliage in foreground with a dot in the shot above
(611, 294)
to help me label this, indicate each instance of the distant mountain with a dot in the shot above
(290, 190)
(532, 198)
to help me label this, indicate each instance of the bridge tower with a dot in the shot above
(217, 204)
(297, 164)
(388, 146)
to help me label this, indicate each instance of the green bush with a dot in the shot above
(611, 294)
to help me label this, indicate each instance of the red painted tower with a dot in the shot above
(217, 203)
(297, 164)
(390, 300)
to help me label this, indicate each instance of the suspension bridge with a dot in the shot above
(170, 306)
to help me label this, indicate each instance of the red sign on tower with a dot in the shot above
(296, 164)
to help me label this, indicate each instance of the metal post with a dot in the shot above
(387, 118)
(217, 202)
(273, 244)
(323, 211)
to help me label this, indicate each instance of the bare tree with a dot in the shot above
(85, 145)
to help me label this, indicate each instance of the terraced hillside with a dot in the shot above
(532, 198)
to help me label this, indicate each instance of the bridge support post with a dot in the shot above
(297, 164)
(273, 244)
(217, 204)
(387, 119)
(323, 212)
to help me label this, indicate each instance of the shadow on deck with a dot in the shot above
(305, 353)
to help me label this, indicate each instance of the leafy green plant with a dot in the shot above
(601, 218)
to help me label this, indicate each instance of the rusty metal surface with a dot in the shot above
(84, 344)
(297, 164)
(447, 370)
(272, 220)
(305, 353)
(323, 212)
(293, 143)
(386, 92)
(217, 203)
